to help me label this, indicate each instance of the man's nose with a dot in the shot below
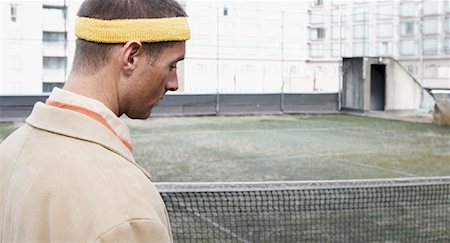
(172, 82)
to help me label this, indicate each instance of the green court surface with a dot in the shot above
(288, 147)
(285, 147)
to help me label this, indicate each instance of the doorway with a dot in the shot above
(377, 87)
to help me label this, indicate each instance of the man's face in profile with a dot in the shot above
(153, 79)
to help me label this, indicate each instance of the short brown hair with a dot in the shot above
(91, 56)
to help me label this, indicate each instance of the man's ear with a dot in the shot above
(130, 54)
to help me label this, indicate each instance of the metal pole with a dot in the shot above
(364, 35)
(421, 43)
(282, 63)
(340, 59)
(217, 65)
(65, 40)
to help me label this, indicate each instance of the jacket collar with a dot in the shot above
(74, 99)
(73, 124)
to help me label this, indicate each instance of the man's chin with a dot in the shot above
(142, 116)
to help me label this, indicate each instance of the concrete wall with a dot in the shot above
(353, 84)
(19, 107)
(402, 90)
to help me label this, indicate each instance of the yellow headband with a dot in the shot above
(124, 30)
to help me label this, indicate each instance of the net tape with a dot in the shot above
(386, 210)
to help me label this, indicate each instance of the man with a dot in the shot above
(68, 174)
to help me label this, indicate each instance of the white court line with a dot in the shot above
(220, 227)
(352, 130)
(377, 167)
(249, 131)
(277, 157)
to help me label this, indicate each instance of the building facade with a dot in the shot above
(245, 46)
(414, 32)
(236, 47)
(37, 45)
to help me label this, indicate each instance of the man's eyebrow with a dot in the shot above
(177, 60)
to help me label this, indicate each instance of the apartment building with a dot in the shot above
(37, 45)
(416, 33)
(246, 47)
(236, 47)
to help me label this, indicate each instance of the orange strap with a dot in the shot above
(91, 114)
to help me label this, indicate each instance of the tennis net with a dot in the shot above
(382, 210)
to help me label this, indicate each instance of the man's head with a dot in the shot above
(143, 70)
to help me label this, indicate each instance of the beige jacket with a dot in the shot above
(66, 178)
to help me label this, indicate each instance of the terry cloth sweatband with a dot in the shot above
(124, 30)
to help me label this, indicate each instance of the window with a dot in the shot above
(54, 43)
(447, 45)
(360, 31)
(385, 11)
(408, 47)
(53, 18)
(54, 36)
(335, 32)
(54, 69)
(13, 9)
(385, 30)
(430, 46)
(48, 86)
(316, 50)
(430, 7)
(447, 24)
(360, 14)
(385, 48)
(55, 63)
(408, 9)
(318, 2)
(317, 33)
(54, 13)
(430, 26)
(407, 28)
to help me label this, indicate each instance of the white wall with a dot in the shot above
(245, 50)
(402, 92)
(21, 48)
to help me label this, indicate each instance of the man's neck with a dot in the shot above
(98, 86)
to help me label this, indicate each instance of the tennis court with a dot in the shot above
(297, 178)
(285, 147)
(299, 152)
(288, 147)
